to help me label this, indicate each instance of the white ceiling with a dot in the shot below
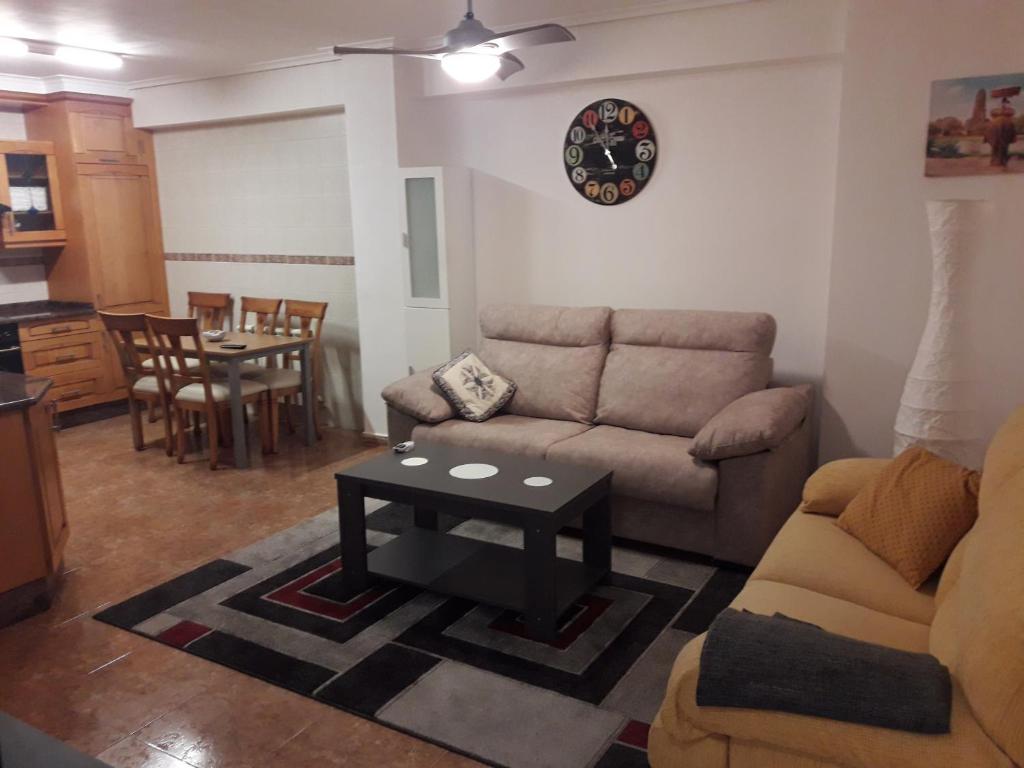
(199, 38)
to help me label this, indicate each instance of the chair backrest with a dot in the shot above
(266, 312)
(165, 339)
(210, 309)
(304, 319)
(123, 329)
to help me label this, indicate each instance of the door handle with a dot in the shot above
(66, 358)
(60, 329)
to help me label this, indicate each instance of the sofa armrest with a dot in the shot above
(682, 725)
(759, 421)
(419, 397)
(833, 485)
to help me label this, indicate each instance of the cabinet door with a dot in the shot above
(48, 473)
(103, 137)
(123, 239)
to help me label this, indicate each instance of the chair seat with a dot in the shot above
(147, 385)
(219, 390)
(280, 378)
(190, 363)
(248, 370)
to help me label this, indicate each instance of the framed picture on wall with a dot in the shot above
(976, 126)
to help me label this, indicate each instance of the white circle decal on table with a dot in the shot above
(473, 471)
(538, 482)
(414, 461)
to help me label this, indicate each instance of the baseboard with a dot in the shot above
(373, 437)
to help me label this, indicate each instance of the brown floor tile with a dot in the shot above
(135, 753)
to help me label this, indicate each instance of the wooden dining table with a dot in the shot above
(257, 345)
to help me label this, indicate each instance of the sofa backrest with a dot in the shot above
(555, 356)
(669, 371)
(978, 630)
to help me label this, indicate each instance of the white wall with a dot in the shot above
(365, 88)
(881, 261)
(237, 191)
(738, 215)
(22, 276)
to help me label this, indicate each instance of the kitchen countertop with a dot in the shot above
(25, 311)
(20, 391)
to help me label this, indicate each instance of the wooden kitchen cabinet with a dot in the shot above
(30, 186)
(34, 526)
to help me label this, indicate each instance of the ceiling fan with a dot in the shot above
(471, 52)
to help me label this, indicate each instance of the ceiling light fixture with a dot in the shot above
(470, 67)
(12, 47)
(86, 57)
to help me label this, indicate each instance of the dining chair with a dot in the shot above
(210, 309)
(197, 392)
(303, 319)
(144, 385)
(265, 317)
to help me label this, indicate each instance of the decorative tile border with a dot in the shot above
(262, 258)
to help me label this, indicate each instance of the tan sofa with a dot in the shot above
(973, 622)
(639, 392)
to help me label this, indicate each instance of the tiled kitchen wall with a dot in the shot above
(22, 276)
(232, 195)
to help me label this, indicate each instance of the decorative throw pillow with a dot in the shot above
(914, 512)
(475, 391)
(834, 485)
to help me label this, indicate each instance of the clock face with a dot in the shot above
(610, 151)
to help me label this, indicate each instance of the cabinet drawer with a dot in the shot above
(49, 328)
(68, 388)
(48, 356)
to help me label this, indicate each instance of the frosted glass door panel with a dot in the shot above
(421, 210)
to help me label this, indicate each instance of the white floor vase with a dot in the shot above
(937, 409)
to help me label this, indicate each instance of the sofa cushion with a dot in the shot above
(646, 466)
(833, 614)
(505, 432)
(810, 551)
(670, 371)
(554, 354)
(914, 512)
(979, 627)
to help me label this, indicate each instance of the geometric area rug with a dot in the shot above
(461, 675)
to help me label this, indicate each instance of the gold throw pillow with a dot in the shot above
(914, 512)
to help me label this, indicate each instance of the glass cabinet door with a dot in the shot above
(421, 239)
(31, 193)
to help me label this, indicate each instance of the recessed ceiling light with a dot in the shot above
(84, 57)
(11, 47)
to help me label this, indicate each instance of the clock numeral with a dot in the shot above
(609, 111)
(573, 154)
(579, 175)
(641, 129)
(577, 134)
(592, 188)
(645, 150)
(627, 187)
(609, 193)
(590, 119)
(641, 171)
(627, 115)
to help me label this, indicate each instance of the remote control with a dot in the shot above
(405, 447)
(232, 346)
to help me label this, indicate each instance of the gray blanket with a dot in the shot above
(778, 663)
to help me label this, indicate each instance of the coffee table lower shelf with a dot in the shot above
(477, 570)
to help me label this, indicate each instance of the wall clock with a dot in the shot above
(610, 151)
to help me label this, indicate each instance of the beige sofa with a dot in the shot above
(972, 619)
(636, 391)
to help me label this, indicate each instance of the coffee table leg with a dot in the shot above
(597, 535)
(541, 595)
(424, 518)
(352, 524)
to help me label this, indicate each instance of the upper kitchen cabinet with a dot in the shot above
(30, 189)
(103, 133)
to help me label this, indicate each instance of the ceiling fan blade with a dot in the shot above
(527, 37)
(509, 66)
(434, 53)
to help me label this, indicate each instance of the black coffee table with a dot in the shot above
(532, 580)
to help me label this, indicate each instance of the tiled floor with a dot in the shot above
(138, 519)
